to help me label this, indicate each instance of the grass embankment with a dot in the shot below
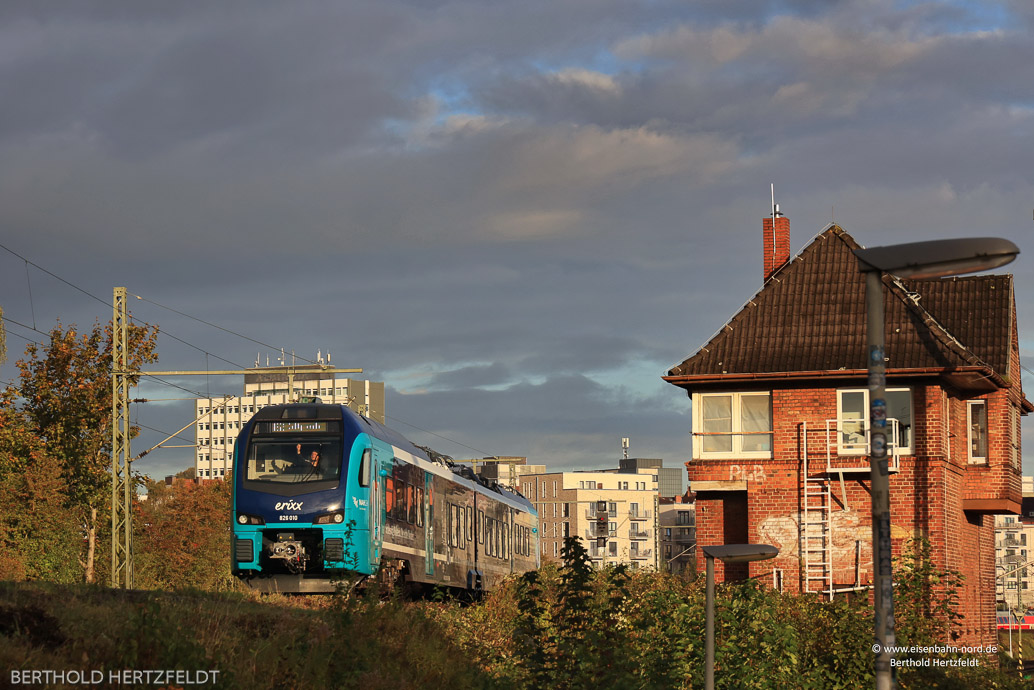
(272, 642)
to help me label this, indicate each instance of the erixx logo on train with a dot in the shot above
(289, 505)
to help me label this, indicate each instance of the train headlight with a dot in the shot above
(245, 519)
(335, 518)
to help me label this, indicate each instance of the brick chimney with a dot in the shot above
(777, 244)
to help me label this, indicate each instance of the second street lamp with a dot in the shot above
(727, 553)
(932, 259)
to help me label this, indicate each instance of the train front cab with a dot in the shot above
(297, 528)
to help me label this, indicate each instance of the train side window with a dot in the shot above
(389, 496)
(419, 507)
(481, 527)
(411, 500)
(364, 469)
(450, 528)
(470, 523)
(488, 537)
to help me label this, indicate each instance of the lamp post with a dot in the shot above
(931, 259)
(727, 553)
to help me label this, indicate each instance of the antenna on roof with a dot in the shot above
(775, 210)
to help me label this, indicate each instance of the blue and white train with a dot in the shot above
(322, 494)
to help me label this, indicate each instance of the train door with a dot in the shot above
(380, 470)
(428, 509)
(478, 537)
(511, 536)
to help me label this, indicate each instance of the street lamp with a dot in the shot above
(931, 259)
(726, 553)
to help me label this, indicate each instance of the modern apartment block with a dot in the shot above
(676, 524)
(1014, 553)
(613, 514)
(781, 433)
(220, 420)
(669, 479)
(507, 471)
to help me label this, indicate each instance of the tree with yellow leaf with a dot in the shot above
(66, 398)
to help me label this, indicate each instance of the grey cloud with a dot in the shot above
(566, 422)
(507, 211)
(474, 376)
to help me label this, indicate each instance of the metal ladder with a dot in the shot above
(816, 528)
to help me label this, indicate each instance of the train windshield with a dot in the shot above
(294, 460)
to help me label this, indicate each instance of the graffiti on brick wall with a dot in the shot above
(783, 532)
(748, 473)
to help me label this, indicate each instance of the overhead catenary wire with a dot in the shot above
(102, 301)
(217, 326)
(30, 328)
(200, 349)
(32, 305)
(444, 438)
(166, 433)
(54, 275)
(166, 333)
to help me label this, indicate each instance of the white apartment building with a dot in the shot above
(676, 522)
(613, 514)
(1014, 549)
(220, 420)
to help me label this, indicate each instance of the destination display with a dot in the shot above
(296, 427)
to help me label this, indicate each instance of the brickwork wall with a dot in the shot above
(926, 496)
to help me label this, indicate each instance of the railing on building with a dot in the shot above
(680, 538)
(847, 445)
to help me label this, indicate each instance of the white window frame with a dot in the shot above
(1014, 412)
(976, 459)
(736, 433)
(863, 448)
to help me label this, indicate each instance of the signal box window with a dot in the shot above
(732, 425)
(976, 418)
(853, 420)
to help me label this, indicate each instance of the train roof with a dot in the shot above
(363, 424)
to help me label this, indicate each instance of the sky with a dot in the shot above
(518, 215)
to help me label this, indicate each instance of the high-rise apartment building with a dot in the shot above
(613, 514)
(220, 420)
